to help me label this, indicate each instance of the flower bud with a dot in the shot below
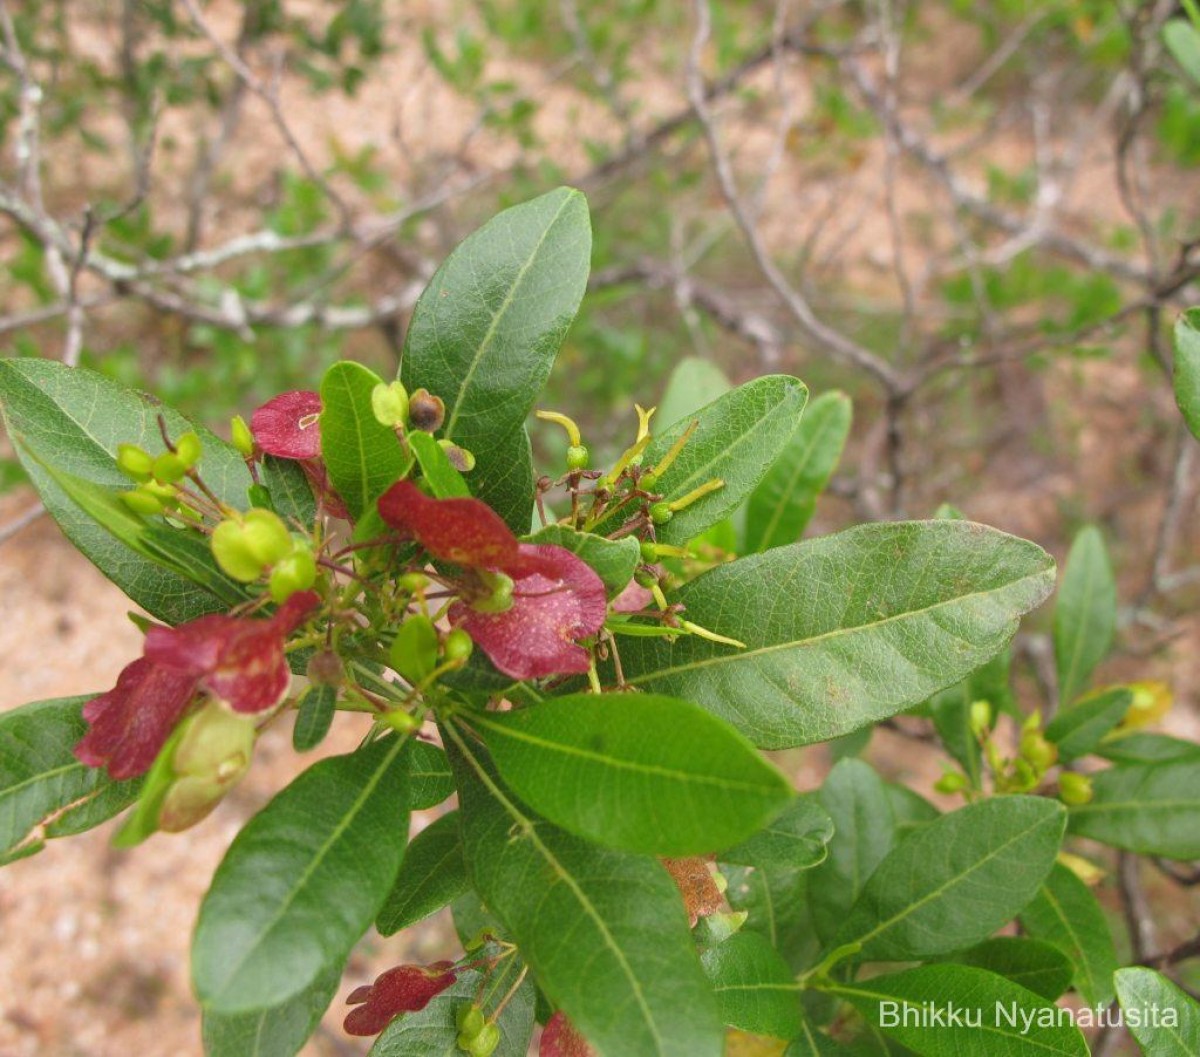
(981, 718)
(458, 647)
(399, 720)
(461, 459)
(951, 782)
(169, 468)
(661, 513)
(240, 436)
(135, 463)
(578, 457)
(296, 572)
(413, 582)
(1151, 701)
(389, 403)
(189, 449)
(1040, 753)
(1075, 789)
(326, 669)
(413, 653)
(426, 412)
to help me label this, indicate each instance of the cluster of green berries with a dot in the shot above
(158, 476)
(247, 545)
(477, 1035)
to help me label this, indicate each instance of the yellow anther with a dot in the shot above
(562, 420)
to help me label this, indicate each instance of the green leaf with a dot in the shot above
(1148, 748)
(432, 1031)
(951, 712)
(74, 419)
(431, 876)
(1065, 913)
(1151, 809)
(811, 1043)
(1164, 1020)
(1085, 616)
(302, 881)
(1187, 366)
(279, 1031)
(738, 436)
(754, 986)
(42, 782)
(430, 780)
(613, 560)
(443, 479)
(314, 717)
(1036, 966)
(912, 811)
(776, 900)
(291, 494)
(957, 880)
(635, 771)
(845, 630)
(1183, 42)
(604, 932)
(693, 384)
(486, 330)
(1079, 729)
(782, 505)
(363, 456)
(796, 837)
(864, 832)
(997, 1017)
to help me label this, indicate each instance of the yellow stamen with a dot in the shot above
(673, 453)
(644, 418)
(562, 420)
(697, 493)
(629, 455)
(712, 636)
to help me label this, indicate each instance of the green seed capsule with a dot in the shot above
(1074, 789)
(649, 552)
(188, 449)
(501, 598)
(266, 536)
(485, 1043)
(233, 554)
(470, 1020)
(296, 572)
(389, 403)
(648, 481)
(578, 457)
(240, 436)
(458, 646)
(661, 513)
(142, 502)
(169, 468)
(414, 649)
(133, 462)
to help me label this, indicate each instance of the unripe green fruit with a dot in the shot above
(981, 718)
(142, 502)
(648, 481)
(578, 457)
(458, 646)
(485, 1043)
(389, 403)
(644, 578)
(240, 436)
(399, 720)
(133, 462)
(470, 1020)
(501, 598)
(266, 536)
(1075, 790)
(951, 782)
(413, 582)
(232, 553)
(216, 744)
(169, 468)
(296, 572)
(1038, 751)
(414, 649)
(661, 513)
(649, 552)
(188, 449)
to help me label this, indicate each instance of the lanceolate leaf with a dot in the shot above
(363, 456)
(429, 778)
(276, 1032)
(487, 328)
(635, 771)
(1037, 966)
(796, 837)
(1085, 616)
(844, 630)
(1151, 809)
(783, 503)
(76, 418)
(1187, 368)
(433, 1031)
(738, 436)
(431, 876)
(1164, 1020)
(693, 384)
(444, 481)
(777, 900)
(1079, 729)
(995, 1017)
(1148, 748)
(291, 494)
(302, 881)
(1065, 913)
(754, 986)
(604, 932)
(613, 560)
(957, 880)
(40, 779)
(864, 831)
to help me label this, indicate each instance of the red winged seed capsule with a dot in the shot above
(404, 989)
